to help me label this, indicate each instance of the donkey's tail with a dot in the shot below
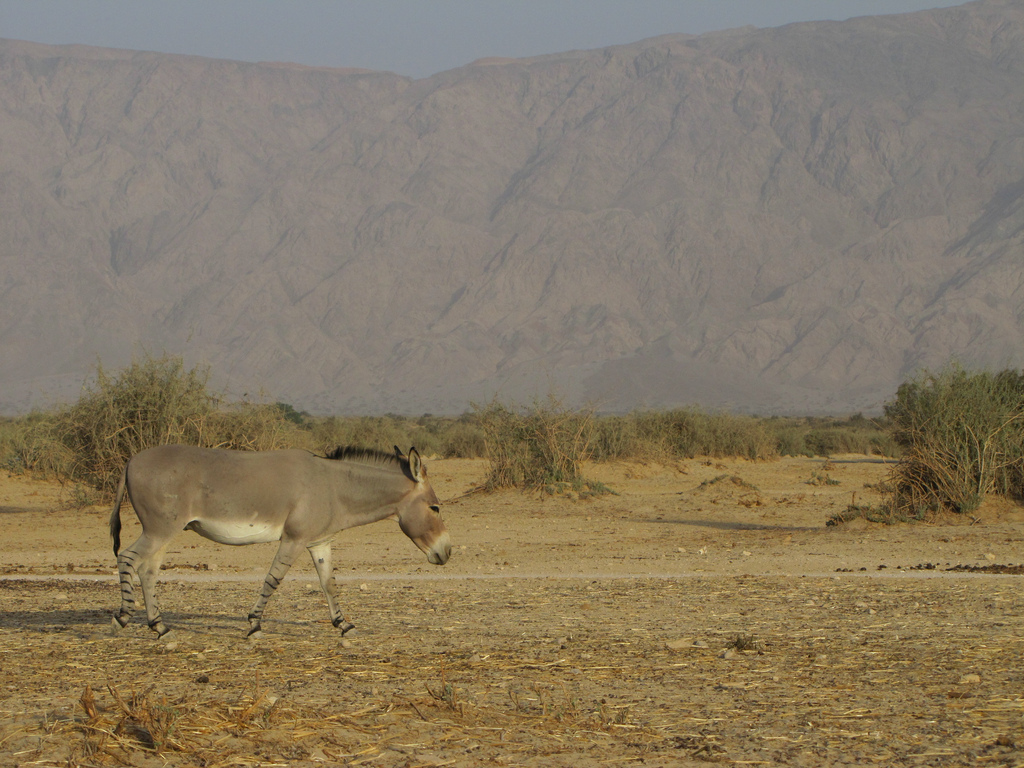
(115, 515)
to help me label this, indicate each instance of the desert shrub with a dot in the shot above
(627, 438)
(250, 426)
(289, 413)
(32, 444)
(685, 433)
(544, 446)
(438, 436)
(151, 402)
(962, 436)
(681, 433)
(381, 432)
(464, 440)
(725, 434)
(818, 436)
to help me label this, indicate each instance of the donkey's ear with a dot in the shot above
(398, 452)
(416, 466)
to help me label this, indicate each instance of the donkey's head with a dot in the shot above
(420, 513)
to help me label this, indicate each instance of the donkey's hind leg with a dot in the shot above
(321, 554)
(125, 573)
(142, 558)
(286, 554)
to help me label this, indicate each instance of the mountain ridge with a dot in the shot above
(781, 220)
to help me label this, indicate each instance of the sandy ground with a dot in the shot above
(704, 613)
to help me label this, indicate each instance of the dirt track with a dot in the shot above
(706, 613)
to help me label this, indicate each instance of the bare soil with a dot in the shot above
(705, 613)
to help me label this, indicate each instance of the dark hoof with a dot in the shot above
(344, 626)
(159, 627)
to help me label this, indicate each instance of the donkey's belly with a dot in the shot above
(236, 532)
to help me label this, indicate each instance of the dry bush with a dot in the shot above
(543, 447)
(818, 436)
(460, 437)
(33, 445)
(464, 439)
(154, 401)
(680, 434)
(962, 436)
(254, 427)
(151, 402)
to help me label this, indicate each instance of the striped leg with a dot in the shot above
(125, 572)
(142, 558)
(321, 554)
(286, 554)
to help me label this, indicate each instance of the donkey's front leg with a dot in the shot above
(321, 554)
(286, 554)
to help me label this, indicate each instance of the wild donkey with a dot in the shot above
(237, 497)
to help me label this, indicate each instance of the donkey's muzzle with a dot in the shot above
(441, 550)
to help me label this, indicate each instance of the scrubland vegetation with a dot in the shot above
(961, 436)
(957, 435)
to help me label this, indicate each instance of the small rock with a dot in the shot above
(681, 644)
(60, 597)
(746, 554)
(970, 679)
(990, 557)
(364, 587)
(729, 653)
(346, 643)
(170, 647)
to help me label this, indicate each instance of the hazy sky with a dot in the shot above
(411, 37)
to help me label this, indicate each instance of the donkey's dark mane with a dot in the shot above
(368, 456)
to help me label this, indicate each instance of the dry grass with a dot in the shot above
(541, 672)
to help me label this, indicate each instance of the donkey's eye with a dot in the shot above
(435, 508)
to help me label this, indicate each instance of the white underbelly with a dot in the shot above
(236, 532)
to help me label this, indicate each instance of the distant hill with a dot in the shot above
(780, 220)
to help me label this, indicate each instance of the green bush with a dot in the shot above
(962, 436)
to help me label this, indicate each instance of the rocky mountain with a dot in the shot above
(778, 220)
